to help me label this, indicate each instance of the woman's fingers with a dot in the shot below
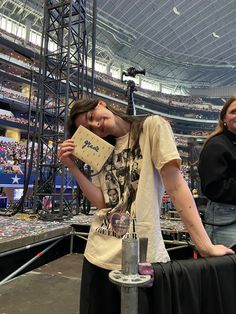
(66, 148)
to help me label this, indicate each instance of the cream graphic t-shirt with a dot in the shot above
(133, 190)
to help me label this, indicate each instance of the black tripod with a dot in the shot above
(131, 110)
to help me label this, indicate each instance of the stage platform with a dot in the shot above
(51, 283)
(24, 229)
(26, 242)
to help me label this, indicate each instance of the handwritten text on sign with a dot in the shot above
(90, 148)
(90, 145)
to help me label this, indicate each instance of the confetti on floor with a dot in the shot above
(22, 225)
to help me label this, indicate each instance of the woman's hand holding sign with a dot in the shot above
(65, 153)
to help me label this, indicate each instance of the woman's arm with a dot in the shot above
(177, 189)
(93, 194)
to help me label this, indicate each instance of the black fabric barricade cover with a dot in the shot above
(203, 286)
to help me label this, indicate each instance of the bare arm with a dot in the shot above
(183, 201)
(93, 193)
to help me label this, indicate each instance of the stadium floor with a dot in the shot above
(53, 288)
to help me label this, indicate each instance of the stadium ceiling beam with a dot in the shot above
(14, 10)
(3, 4)
(26, 8)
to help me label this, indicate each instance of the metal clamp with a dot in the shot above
(118, 278)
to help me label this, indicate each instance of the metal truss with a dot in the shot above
(63, 75)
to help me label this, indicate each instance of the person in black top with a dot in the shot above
(217, 171)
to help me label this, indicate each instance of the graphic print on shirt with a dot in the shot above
(121, 175)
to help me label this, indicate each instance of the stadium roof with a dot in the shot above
(189, 42)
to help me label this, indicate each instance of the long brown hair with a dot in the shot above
(87, 104)
(221, 125)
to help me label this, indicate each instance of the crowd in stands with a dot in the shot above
(116, 104)
(16, 95)
(106, 91)
(201, 133)
(188, 106)
(15, 119)
(171, 104)
(189, 102)
(17, 59)
(110, 80)
(183, 153)
(12, 157)
(181, 141)
(21, 120)
(19, 40)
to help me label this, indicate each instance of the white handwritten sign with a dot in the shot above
(90, 148)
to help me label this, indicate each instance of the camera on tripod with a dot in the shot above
(133, 72)
(131, 88)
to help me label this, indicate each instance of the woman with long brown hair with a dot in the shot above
(147, 142)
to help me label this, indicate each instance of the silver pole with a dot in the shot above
(129, 295)
(31, 261)
(72, 240)
(29, 246)
(128, 278)
(129, 300)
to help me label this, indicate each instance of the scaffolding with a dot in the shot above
(63, 77)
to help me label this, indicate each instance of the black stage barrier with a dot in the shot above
(202, 286)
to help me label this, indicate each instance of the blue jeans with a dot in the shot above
(219, 213)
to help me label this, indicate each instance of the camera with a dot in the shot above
(133, 72)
